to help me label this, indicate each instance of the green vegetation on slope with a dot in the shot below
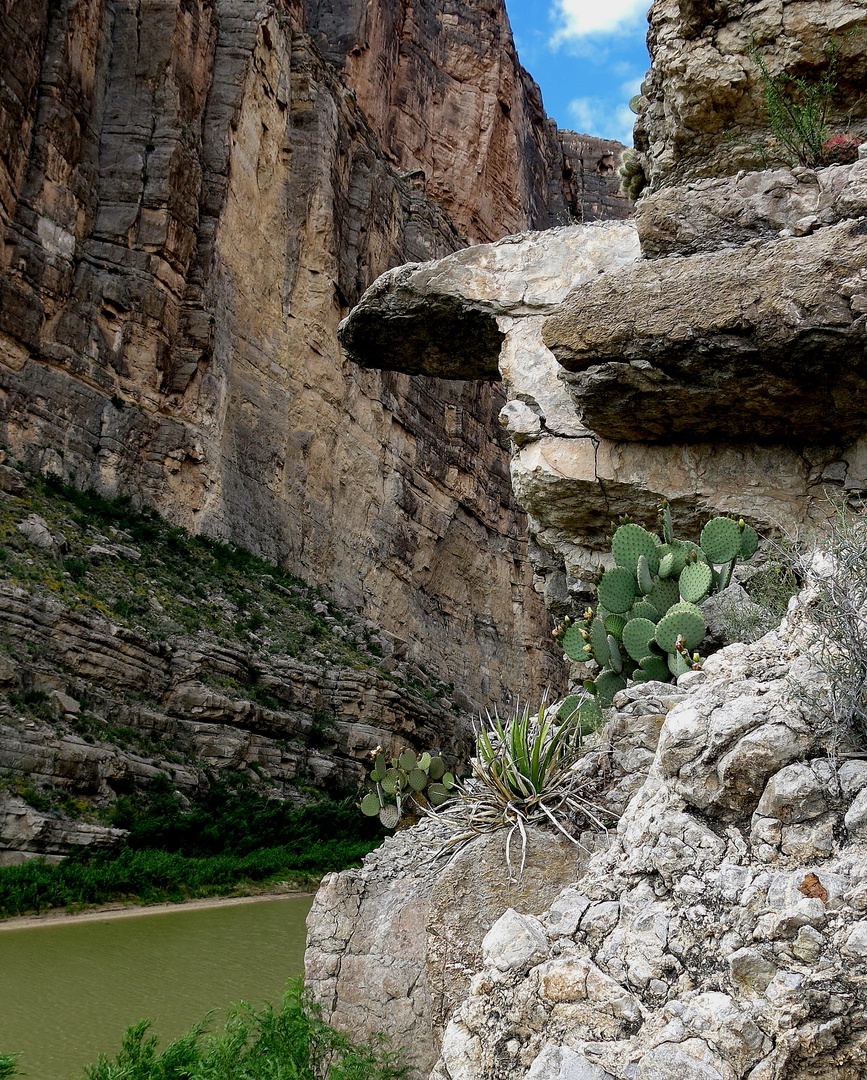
(227, 841)
(289, 1043)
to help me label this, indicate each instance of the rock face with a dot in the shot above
(719, 936)
(149, 661)
(392, 946)
(702, 112)
(190, 198)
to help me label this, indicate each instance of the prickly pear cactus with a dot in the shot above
(401, 788)
(648, 623)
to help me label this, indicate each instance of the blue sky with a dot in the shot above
(589, 58)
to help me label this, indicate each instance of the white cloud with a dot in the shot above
(582, 18)
(606, 119)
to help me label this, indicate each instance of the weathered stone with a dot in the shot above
(443, 318)
(561, 1063)
(720, 345)
(702, 111)
(514, 942)
(794, 794)
(724, 212)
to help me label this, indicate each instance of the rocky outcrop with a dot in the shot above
(191, 197)
(702, 110)
(719, 936)
(393, 946)
(692, 380)
(722, 346)
(726, 212)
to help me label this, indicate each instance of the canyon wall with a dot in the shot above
(192, 196)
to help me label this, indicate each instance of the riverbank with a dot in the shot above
(63, 917)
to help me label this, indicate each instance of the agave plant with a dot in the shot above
(522, 774)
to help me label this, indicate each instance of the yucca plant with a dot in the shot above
(523, 774)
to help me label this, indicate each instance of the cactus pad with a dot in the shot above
(394, 781)
(686, 624)
(663, 595)
(389, 816)
(599, 642)
(695, 582)
(573, 643)
(637, 635)
(407, 761)
(568, 706)
(749, 542)
(667, 527)
(677, 665)
(424, 761)
(370, 804)
(436, 768)
(614, 658)
(437, 793)
(617, 588)
(721, 540)
(607, 685)
(591, 717)
(655, 668)
(644, 576)
(672, 559)
(614, 625)
(643, 609)
(629, 542)
(418, 779)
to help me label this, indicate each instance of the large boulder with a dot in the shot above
(763, 343)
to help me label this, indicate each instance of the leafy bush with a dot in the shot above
(289, 1043)
(7, 1065)
(229, 839)
(836, 611)
(797, 109)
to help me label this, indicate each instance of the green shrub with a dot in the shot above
(797, 109)
(836, 613)
(292, 1042)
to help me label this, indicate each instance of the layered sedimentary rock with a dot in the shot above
(118, 675)
(702, 111)
(730, 381)
(191, 197)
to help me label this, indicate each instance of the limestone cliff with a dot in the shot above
(191, 195)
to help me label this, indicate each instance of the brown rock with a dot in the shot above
(192, 197)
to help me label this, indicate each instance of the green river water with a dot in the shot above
(68, 992)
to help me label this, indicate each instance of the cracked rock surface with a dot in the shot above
(721, 935)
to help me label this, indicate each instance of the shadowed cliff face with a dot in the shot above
(191, 199)
(443, 86)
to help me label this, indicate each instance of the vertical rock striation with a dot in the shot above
(191, 197)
